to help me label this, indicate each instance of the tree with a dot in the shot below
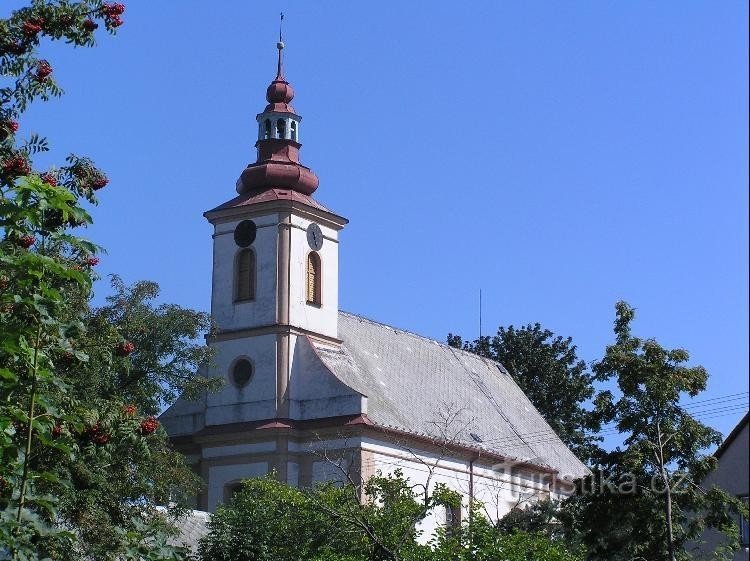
(549, 372)
(644, 499)
(81, 467)
(270, 521)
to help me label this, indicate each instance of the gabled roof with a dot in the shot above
(412, 382)
(732, 435)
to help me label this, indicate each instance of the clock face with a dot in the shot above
(244, 233)
(314, 237)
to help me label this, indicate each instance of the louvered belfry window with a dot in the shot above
(313, 278)
(245, 275)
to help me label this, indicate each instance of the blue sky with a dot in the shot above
(558, 155)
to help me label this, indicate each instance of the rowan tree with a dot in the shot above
(83, 464)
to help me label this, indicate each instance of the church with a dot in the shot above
(312, 393)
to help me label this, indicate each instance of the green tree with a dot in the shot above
(271, 521)
(81, 467)
(548, 370)
(644, 499)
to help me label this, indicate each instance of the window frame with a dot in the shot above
(253, 273)
(317, 300)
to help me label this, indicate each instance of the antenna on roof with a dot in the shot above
(480, 316)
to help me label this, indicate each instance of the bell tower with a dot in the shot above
(275, 270)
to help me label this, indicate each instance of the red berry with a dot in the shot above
(101, 438)
(26, 241)
(113, 9)
(43, 70)
(115, 21)
(149, 425)
(92, 261)
(32, 27)
(124, 348)
(90, 25)
(11, 125)
(57, 431)
(49, 179)
(17, 165)
(99, 181)
(129, 410)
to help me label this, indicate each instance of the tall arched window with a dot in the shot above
(294, 130)
(244, 275)
(268, 129)
(280, 128)
(313, 278)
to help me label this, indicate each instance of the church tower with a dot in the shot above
(275, 270)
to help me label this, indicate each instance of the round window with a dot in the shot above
(244, 233)
(242, 372)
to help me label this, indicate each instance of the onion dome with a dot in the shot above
(278, 144)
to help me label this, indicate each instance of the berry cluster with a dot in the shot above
(26, 241)
(17, 165)
(99, 181)
(96, 435)
(90, 25)
(149, 425)
(49, 179)
(129, 410)
(124, 349)
(10, 125)
(92, 261)
(32, 27)
(43, 70)
(111, 13)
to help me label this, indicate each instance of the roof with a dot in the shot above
(413, 384)
(191, 528)
(270, 195)
(732, 435)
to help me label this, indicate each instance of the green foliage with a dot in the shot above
(81, 468)
(644, 499)
(271, 521)
(548, 370)
(166, 359)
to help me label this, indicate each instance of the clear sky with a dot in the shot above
(558, 155)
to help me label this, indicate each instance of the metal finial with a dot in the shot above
(280, 46)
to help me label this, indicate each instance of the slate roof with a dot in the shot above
(412, 382)
(191, 527)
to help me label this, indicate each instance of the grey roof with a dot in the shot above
(415, 384)
(191, 527)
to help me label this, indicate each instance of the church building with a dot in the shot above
(313, 393)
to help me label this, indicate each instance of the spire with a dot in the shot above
(278, 166)
(280, 47)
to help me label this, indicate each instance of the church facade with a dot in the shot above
(312, 393)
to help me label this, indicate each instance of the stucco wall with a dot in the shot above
(732, 475)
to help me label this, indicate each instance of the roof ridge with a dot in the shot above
(423, 337)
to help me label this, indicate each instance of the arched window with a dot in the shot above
(280, 128)
(232, 489)
(313, 278)
(268, 129)
(244, 276)
(294, 131)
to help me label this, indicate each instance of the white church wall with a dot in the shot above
(256, 400)
(320, 319)
(499, 489)
(314, 392)
(220, 477)
(226, 313)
